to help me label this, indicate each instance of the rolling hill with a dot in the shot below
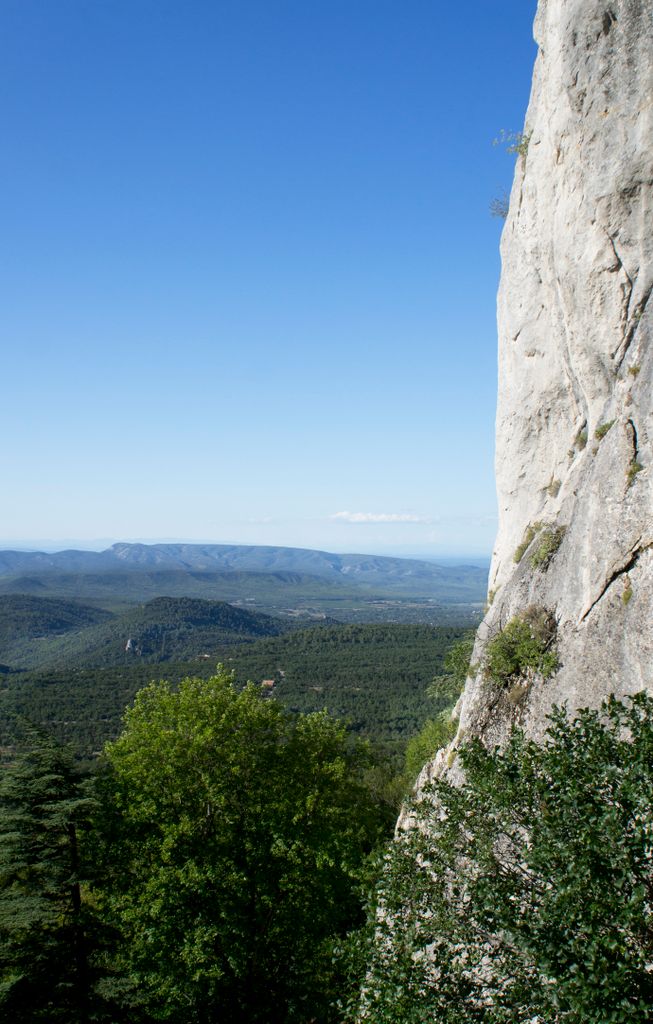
(22, 615)
(44, 633)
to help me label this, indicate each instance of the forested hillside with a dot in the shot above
(373, 676)
(24, 618)
(42, 633)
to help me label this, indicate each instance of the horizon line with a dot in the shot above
(100, 544)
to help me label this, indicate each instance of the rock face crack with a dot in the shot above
(574, 384)
(633, 438)
(630, 563)
(627, 289)
(633, 320)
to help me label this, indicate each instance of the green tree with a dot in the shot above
(444, 690)
(44, 942)
(239, 835)
(434, 734)
(525, 893)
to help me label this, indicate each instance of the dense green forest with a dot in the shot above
(25, 618)
(206, 873)
(117, 590)
(72, 666)
(229, 861)
(50, 633)
(375, 677)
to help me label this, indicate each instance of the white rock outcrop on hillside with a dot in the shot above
(575, 354)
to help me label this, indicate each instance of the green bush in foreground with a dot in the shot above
(525, 893)
(236, 839)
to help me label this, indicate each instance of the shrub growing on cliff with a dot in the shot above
(602, 430)
(553, 487)
(500, 206)
(516, 143)
(634, 468)
(525, 893)
(437, 732)
(525, 643)
(530, 534)
(549, 539)
(434, 734)
(548, 543)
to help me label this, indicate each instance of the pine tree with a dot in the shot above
(44, 972)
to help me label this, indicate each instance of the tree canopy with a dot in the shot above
(238, 835)
(44, 962)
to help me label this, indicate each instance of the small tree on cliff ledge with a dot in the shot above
(527, 893)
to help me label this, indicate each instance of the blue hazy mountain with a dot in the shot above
(376, 572)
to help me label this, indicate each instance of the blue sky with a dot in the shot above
(249, 271)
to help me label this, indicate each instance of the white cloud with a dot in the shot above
(378, 517)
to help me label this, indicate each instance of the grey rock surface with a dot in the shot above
(575, 329)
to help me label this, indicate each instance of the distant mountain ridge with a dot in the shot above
(361, 570)
(287, 582)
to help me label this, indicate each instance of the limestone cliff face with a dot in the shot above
(575, 355)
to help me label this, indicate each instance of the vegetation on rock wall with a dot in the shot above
(529, 536)
(231, 844)
(548, 542)
(437, 731)
(602, 429)
(524, 893)
(524, 645)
